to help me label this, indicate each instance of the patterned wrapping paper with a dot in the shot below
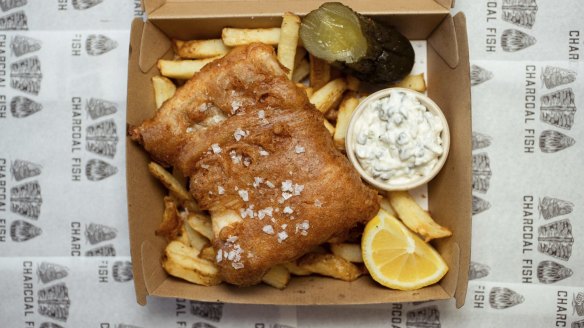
(63, 229)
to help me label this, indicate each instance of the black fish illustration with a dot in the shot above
(551, 141)
(122, 271)
(514, 40)
(555, 76)
(54, 302)
(578, 303)
(577, 324)
(22, 231)
(21, 169)
(6, 5)
(26, 200)
(519, 12)
(479, 205)
(481, 172)
(97, 44)
(97, 170)
(479, 75)
(549, 272)
(85, 4)
(427, 317)
(503, 298)
(558, 108)
(555, 239)
(98, 108)
(209, 311)
(50, 325)
(107, 250)
(478, 271)
(48, 272)
(96, 233)
(550, 207)
(21, 106)
(22, 45)
(480, 140)
(202, 325)
(14, 22)
(102, 138)
(26, 75)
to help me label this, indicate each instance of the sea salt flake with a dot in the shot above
(268, 229)
(257, 181)
(203, 107)
(270, 184)
(288, 210)
(235, 158)
(205, 166)
(237, 265)
(298, 189)
(298, 149)
(261, 114)
(190, 129)
(249, 255)
(243, 194)
(286, 195)
(220, 190)
(284, 226)
(287, 185)
(235, 105)
(216, 149)
(317, 203)
(282, 235)
(219, 256)
(239, 134)
(232, 239)
(263, 152)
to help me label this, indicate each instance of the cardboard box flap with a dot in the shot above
(445, 45)
(446, 3)
(151, 5)
(451, 189)
(153, 46)
(241, 8)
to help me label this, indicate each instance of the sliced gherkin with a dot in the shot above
(356, 44)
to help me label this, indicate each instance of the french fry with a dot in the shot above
(194, 239)
(200, 49)
(329, 127)
(349, 252)
(171, 183)
(301, 71)
(415, 218)
(295, 269)
(300, 56)
(346, 109)
(385, 205)
(171, 221)
(320, 72)
(278, 276)
(201, 224)
(182, 261)
(353, 83)
(163, 89)
(223, 219)
(330, 265)
(241, 36)
(324, 98)
(309, 91)
(208, 253)
(182, 69)
(414, 82)
(288, 41)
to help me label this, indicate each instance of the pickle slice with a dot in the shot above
(356, 44)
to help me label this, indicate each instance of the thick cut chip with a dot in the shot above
(330, 265)
(278, 276)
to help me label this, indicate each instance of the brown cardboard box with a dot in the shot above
(449, 193)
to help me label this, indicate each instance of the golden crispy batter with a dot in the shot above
(251, 142)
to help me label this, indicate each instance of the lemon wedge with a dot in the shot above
(396, 257)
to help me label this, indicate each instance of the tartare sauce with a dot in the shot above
(398, 139)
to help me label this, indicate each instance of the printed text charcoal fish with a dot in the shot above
(561, 308)
(529, 110)
(3, 188)
(3, 64)
(76, 135)
(491, 31)
(527, 231)
(28, 288)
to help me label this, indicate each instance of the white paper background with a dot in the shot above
(45, 138)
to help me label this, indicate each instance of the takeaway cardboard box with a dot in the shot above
(449, 193)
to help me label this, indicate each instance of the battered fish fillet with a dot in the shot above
(256, 151)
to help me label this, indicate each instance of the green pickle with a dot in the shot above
(356, 44)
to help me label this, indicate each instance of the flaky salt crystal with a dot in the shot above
(268, 229)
